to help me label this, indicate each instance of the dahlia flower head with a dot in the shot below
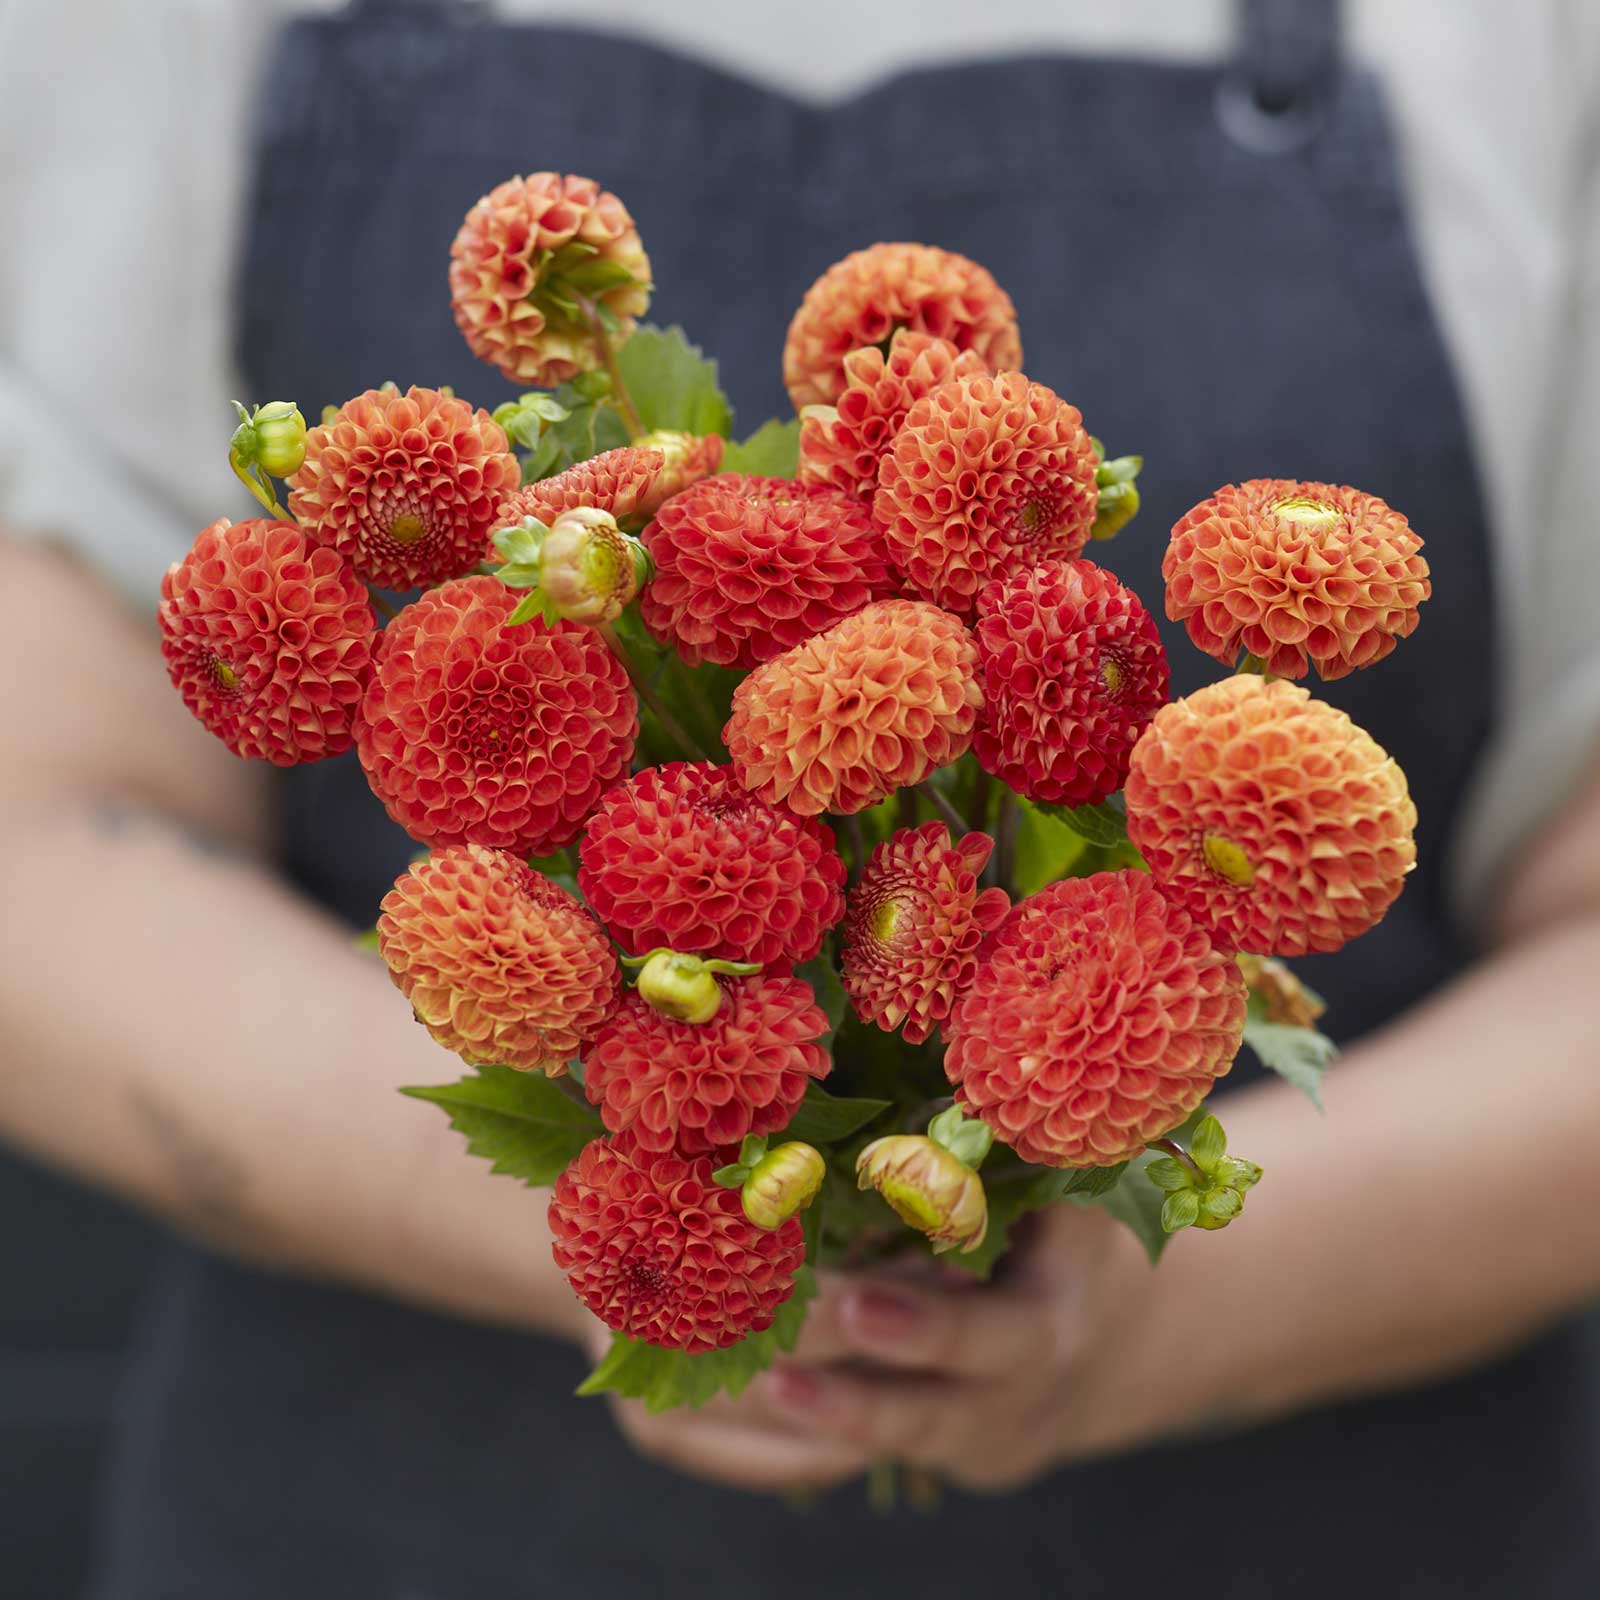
(622, 482)
(866, 297)
(1304, 576)
(500, 964)
(686, 459)
(657, 1251)
(1278, 823)
(269, 639)
(473, 732)
(1100, 1018)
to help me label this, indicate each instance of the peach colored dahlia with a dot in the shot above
(622, 482)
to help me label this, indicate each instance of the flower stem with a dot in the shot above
(260, 487)
(1005, 843)
(620, 397)
(673, 728)
(380, 605)
(1178, 1154)
(945, 807)
(857, 841)
(573, 1090)
(1254, 664)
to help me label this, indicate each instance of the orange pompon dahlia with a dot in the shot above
(622, 482)
(863, 299)
(1298, 574)
(659, 1252)
(841, 446)
(747, 568)
(472, 732)
(406, 486)
(913, 927)
(1073, 670)
(269, 639)
(688, 458)
(1100, 1019)
(1278, 823)
(527, 252)
(701, 1086)
(987, 475)
(500, 965)
(680, 856)
(840, 722)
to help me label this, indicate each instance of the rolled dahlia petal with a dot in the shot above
(841, 446)
(659, 1252)
(702, 1086)
(621, 481)
(1073, 670)
(1100, 1020)
(864, 298)
(406, 486)
(747, 568)
(1302, 575)
(688, 458)
(503, 259)
(471, 732)
(840, 722)
(680, 856)
(500, 965)
(269, 639)
(986, 476)
(1278, 823)
(913, 926)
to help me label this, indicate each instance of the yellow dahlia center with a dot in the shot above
(490, 733)
(1228, 860)
(1315, 516)
(885, 919)
(407, 528)
(604, 564)
(1036, 515)
(225, 676)
(1112, 675)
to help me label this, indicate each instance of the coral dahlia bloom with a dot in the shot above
(1281, 825)
(688, 458)
(622, 482)
(269, 640)
(986, 476)
(681, 857)
(513, 247)
(864, 298)
(702, 1086)
(1073, 669)
(840, 722)
(747, 568)
(659, 1252)
(405, 486)
(472, 732)
(1101, 1018)
(1302, 575)
(500, 965)
(913, 927)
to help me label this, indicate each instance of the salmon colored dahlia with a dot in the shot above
(1073, 670)
(405, 486)
(987, 475)
(1100, 1020)
(840, 722)
(680, 856)
(472, 732)
(841, 445)
(863, 299)
(747, 568)
(529, 249)
(269, 640)
(688, 458)
(913, 927)
(1301, 575)
(702, 1086)
(500, 965)
(1280, 824)
(622, 482)
(659, 1252)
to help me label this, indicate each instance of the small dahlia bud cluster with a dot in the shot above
(930, 1181)
(1204, 1186)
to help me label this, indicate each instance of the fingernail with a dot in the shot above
(882, 1313)
(793, 1389)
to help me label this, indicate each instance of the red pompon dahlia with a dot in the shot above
(622, 482)
(680, 856)
(841, 446)
(1281, 825)
(1298, 574)
(500, 965)
(1100, 1019)
(472, 732)
(702, 1086)
(405, 486)
(988, 475)
(747, 568)
(523, 251)
(1073, 669)
(659, 1252)
(689, 457)
(913, 927)
(269, 639)
(840, 722)
(863, 299)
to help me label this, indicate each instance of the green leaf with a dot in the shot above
(1178, 1211)
(595, 278)
(1301, 1055)
(825, 1119)
(751, 1149)
(535, 603)
(1165, 1173)
(1017, 1188)
(673, 385)
(1208, 1144)
(1047, 848)
(731, 1176)
(828, 987)
(772, 451)
(1105, 824)
(1137, 1202)
(968, 1139)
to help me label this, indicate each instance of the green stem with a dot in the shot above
(573, 1090)
(857, 840)
(674, 729)
(260, 487)
(1180, 1155)
(620, 397)
(1005, 844)
(946, 809)
(1254, 664)
(380, 605)
(982, 786)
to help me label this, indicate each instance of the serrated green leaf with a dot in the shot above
(772, 451)
(1105, 824)
(1047, 848)
(1017, 1188)
(1301, 1055)
(826, 1119)
(673, 384)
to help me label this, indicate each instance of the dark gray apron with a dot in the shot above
(1214, 262)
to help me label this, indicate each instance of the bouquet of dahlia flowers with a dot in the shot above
(813, 866)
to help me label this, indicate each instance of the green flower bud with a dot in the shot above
(589, 568)
(928, 1189)
(1117, 507)
(782, 1182)
(280, 435)
(684, 987)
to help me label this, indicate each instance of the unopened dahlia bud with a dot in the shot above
(1283, 997)
(684, 987)
(280, 434)
(589, 568)
(928, 1189)
(1205, 1186)
(784, 1181)
(687, 458)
